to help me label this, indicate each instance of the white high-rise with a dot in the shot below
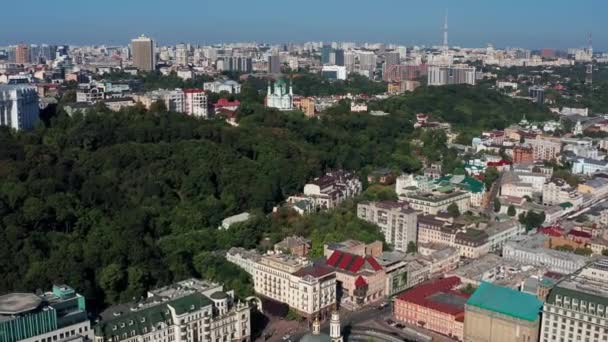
(19, 107)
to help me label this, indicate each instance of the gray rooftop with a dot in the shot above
(16, 303)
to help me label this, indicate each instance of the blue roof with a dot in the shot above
(506, 301)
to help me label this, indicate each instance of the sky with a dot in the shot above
(472, 23)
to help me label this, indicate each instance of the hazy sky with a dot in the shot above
(505, 23)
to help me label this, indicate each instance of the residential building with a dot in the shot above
(522, 154)
(144, 56)
(471, 243)
(279, 97)
(439, 75)
(19, 106)
(118, 103)
(397, 221)
(306, 105)
(537, 94)
(295, 245)
(329, 190)
(22, 54)
(500, 314)
(438, 200)
(188, 311)
(558, 191)
(58, 315)
(436, 306)
(90, 94)
(544, 148)
(521, 184)
(531, 250)
(354, 247)
(195, 103)
(576, 308)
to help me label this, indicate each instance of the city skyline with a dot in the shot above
(472, 23)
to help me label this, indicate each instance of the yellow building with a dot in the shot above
(500, 314)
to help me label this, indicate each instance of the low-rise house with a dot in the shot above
(238, 218)
(329, 190)
(295, 245)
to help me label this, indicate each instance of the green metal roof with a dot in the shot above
(566, 205)
(136, 321)
(506, 301)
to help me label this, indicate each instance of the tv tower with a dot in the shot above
(589, 67)
(445, 33)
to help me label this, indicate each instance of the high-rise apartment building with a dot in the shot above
(439, 75)
(195, 102)
(19, 107)
(144, 57)
(57, 315)
(339, 57)
(22, 54)
(576, 308)
(397, 221)
(181, 54)
(537, 93)
(274, 64)
(326, 51)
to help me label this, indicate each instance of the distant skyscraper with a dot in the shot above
(274, 64)
(455, 74)
(446, 46)
(537, 93)
(22, 54)
(181, 54)
(18, 106)
(325, 52)
(339, 57)
(144, 58)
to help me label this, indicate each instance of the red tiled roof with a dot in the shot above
(360, 282)
(420, 294)
(501, 162)
(356, 265)
(552, 231)
(375, 265)
(225, 103)
(346, 259)
(333, 258)
(579, 233)
(193, 90)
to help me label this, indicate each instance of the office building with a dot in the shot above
(19, 106)
(436, 306)
(144, 57)
(22, 54)
(339, 59)
(576, 308)
(439, 75)
(334, 72)
(188, 311)
(537, 93)
(326, 51)
(195, 102)
(397, 221)
(274, 64)
(57, 315)
(500, 314)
